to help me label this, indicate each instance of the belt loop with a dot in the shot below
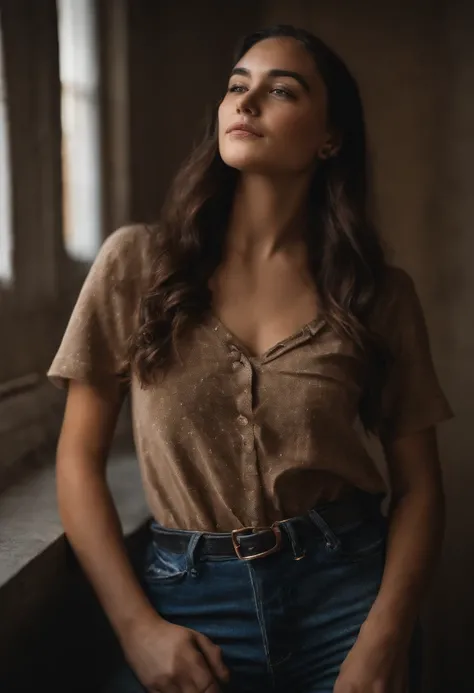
(191, 554)
(298, 551)
(332, 542)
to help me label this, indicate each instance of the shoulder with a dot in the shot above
(129, 244)
(398, 285)
(397, 289)
(126, 256)
(398, 306)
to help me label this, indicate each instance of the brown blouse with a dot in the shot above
(229, 440)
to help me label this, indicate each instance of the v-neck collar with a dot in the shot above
(306, 331)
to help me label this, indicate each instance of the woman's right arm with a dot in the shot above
(164, 656)
(85, 504)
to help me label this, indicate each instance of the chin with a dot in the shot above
(246, 161)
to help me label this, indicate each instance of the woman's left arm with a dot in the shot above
(378, 660)
(413, 403)
(416, 527)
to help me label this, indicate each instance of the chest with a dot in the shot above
(217, 392)
(262, 306)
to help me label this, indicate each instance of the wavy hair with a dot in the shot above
(346, 258)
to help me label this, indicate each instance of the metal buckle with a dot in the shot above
(253, 530)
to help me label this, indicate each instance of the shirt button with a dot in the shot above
(243, 421)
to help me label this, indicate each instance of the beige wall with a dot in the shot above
(415, 65)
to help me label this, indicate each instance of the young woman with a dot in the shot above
(253, 328)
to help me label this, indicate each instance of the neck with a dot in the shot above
(268, 214)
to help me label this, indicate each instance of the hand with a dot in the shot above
(171, 659)
(374, 668)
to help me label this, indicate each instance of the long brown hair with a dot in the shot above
(345, 254)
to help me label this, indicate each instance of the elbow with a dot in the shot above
(425, 500)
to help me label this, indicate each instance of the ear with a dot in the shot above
(330, 148)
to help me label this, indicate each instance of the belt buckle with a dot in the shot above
(236, 532)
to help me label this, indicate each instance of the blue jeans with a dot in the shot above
(283, 624)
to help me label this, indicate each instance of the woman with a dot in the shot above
(268, 324)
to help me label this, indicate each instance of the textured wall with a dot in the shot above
(451, 305)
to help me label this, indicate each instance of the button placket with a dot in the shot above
(242, 374)
(249, 445)
(244, 402)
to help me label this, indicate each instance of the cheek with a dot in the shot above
(223, 121)
(221, 111)
(303, 135)
(225, 113)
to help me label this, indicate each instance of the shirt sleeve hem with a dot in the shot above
(60, 375)
(433, 417)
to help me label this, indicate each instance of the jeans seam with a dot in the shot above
(261, 621)
(283, 660)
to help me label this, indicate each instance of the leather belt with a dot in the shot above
(248, 543)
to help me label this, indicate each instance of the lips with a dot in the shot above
(244, 127)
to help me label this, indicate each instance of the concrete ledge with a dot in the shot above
(53, 633)
(29, 520)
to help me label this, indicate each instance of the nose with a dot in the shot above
(246, 104)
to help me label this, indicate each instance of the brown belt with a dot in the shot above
(248, 543)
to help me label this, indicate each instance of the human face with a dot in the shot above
(275, 91)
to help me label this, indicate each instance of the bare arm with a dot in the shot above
(165, 657)
(86, 507)
(416, 532)
(378, 660)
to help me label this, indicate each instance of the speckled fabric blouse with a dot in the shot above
(227, 440)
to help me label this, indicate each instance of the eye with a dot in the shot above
(236, 88)
(278, 91)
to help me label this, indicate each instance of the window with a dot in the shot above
(81, 161)
(6, 238)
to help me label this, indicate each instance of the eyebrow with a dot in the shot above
(275, 73)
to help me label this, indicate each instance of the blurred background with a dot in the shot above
(100, 101)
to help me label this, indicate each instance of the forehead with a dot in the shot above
(282, 53)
